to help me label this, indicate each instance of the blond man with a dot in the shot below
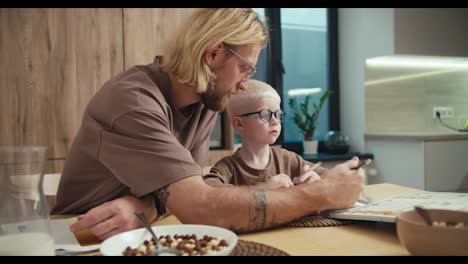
(145, 136)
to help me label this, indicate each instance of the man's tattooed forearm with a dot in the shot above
(257, 210)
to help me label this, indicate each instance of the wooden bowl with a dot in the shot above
(431, 240)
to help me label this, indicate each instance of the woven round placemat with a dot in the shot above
(317, 221)
(249, 248)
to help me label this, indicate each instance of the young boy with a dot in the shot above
(256, 115)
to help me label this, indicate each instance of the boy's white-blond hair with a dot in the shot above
(255, 90)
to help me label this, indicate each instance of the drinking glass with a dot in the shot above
(24, 221)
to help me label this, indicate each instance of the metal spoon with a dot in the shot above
(296, 180)
(65, 252)
(424, 214)
(160, 250)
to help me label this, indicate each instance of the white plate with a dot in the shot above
(115, 245)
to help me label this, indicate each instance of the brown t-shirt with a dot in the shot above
(233, 170)
(133, 140)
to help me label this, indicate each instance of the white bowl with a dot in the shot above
(115, 245)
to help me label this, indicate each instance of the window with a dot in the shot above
(302, 53)
(305, 58)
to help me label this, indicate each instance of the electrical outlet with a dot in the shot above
(445, 112)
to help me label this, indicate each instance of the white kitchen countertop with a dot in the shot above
(419, 135)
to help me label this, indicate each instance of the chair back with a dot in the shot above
(50, 187)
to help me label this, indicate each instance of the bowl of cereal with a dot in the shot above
(446, 235)
(189, 239)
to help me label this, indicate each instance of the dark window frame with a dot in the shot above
(275, 69)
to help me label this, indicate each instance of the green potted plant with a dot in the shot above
(306, 117)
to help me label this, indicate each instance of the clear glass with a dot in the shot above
(24, 216)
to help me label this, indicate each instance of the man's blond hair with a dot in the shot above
(255, 90)
(184, 54)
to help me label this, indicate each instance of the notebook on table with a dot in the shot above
(386, 210)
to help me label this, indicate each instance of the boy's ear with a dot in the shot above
(236, 122)
(213, 53)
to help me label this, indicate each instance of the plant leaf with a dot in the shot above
(306, 120)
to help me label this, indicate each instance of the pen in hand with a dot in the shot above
(361, 163)
(316, 165)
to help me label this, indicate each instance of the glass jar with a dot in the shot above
(24, 217)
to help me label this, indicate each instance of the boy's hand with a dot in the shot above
(276, 182)
(307, 176)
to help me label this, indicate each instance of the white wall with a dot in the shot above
(363, 33)
(370, 32)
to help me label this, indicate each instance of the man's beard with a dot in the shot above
(214, 101)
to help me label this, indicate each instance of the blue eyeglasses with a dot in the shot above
(266, 114)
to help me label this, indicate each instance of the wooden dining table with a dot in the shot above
(358, 238)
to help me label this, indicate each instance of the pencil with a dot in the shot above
(316, 165)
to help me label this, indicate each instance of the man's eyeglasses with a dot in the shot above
(266, 114)
(252, 70)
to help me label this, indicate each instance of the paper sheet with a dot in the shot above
(386, 210)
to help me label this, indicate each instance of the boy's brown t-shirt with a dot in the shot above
(233, 170)
(132, 140)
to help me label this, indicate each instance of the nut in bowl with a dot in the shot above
(446, 236)
(190, 239)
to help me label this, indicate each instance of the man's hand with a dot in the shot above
(344, 184)
(307, 176)
(277, 181)
(115, 216)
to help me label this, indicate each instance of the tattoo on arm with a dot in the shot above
(257, 212)
(162, 195)
(273, 221)
(257, 216)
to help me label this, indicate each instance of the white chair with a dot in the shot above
(50, 187)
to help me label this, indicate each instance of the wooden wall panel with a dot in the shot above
(55, 165)
(53, 61)
(145, 32)
(146, 29)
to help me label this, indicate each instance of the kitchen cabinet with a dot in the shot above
(433, 161)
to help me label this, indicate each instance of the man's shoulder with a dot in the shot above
(146, 80)
(138, 88)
